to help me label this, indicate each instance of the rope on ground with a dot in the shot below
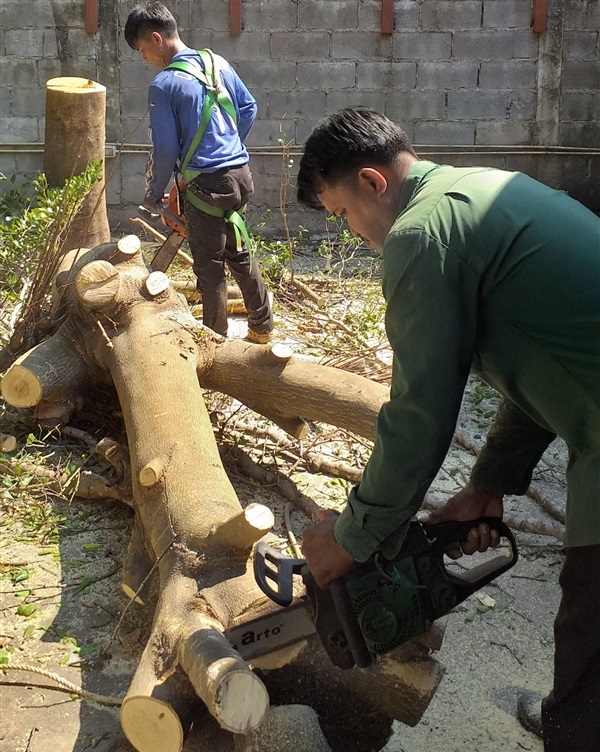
(63, 684)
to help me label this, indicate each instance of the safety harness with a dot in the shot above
(216, 96)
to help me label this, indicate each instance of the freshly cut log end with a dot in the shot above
(281, 352)
(151, 725)
(151, 473)
(129, 245)
(243, 530)
(21, 387)
(242, 702)
(98, 284)
(233, 694)
(156, 283)
(8, 442)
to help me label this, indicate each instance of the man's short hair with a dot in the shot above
(146, 18)
(343, 143)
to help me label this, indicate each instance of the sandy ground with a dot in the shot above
(70, 572)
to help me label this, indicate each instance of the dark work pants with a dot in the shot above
(213, 244)
(571, 712)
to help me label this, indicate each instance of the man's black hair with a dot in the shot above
(149, 17)
(343, 143)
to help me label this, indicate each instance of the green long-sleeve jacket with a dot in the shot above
(489, 271)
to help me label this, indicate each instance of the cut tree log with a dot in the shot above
(190, 527)
(75, 135)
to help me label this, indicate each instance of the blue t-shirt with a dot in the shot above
(176, 100)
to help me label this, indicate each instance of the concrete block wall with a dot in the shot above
(468, 80)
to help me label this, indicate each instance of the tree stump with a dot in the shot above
(75, 135)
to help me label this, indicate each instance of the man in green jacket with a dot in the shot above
(491, 272)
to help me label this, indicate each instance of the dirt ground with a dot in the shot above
(62, 609)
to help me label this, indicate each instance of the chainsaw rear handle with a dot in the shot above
(445, 536)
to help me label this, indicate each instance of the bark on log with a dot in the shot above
(190, 526)
(75, 135)
(293, 389)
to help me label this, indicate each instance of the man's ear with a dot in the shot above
(372, 180)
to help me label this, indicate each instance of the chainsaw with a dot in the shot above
(172, 216)
(377, 605)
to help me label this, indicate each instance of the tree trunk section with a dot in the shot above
(75, 135)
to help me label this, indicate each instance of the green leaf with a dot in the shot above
(28, 631)
(90, 546)
(27, 609)
(19, 575)
(3, 657)
(23, 593)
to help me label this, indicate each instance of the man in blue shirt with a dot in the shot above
(200, 115)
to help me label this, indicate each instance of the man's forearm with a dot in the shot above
(514, 446)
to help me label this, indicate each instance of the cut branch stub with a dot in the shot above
(234, 695)
(243, 530)
(98, 284)
(151, 473)
(129, 245)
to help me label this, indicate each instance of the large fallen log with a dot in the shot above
(124, 325)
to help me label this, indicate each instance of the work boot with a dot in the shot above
(259, 338)
(529, 711)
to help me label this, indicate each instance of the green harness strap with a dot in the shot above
(216, 95)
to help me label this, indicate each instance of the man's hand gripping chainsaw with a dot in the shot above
(377, 605)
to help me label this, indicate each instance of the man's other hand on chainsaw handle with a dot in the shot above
(326, 559)
(470, 503)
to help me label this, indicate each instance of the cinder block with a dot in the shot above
(582, 14)
(508, 74)
(459, 74)
(339, 100)
(211, 15)
(581, 75)
(579, 105)
(295, 104)
(18, 72)
(359, 44)
(132, 189)
(79, 43)
(19, 42)
(251, 45)
(422, 45)
(313, 45)
(406, 15)
(271, 15)
(444, 132)
(386, 75)
(326, 75)
(303, 129)
(267, 75)
(580, 45)
(411, 105)
(449, 15)
(135, 130)
(522, 105)
(477, 105)
(506, 14)
(137, 75)
(23, 104)
(580, 134)
(525, 44)
(46, 69)
(503, 132)
(19, 129)
(134, 165)
(267, 132)
(323, 14)
(134, 103)
(483, 45)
